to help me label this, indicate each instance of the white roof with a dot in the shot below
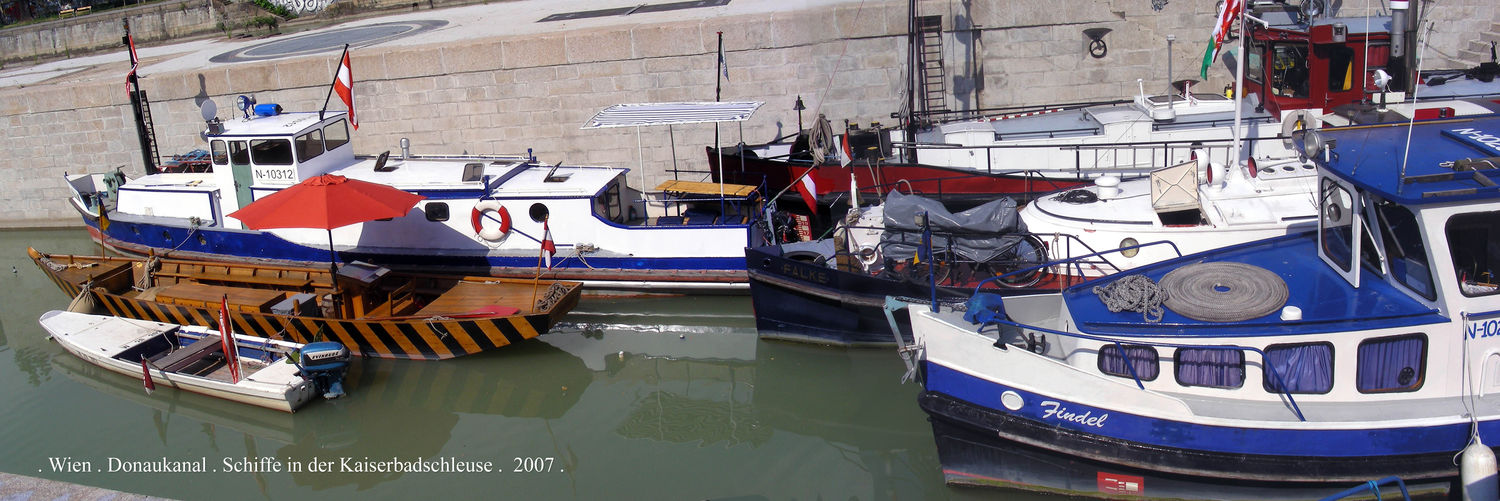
(641, 114)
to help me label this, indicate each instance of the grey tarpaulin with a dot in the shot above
(978, 234)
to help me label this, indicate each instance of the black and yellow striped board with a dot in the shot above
(435, 338)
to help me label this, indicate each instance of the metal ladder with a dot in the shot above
(930, 62)
(148, 135)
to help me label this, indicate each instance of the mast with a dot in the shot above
(140, 108)
(911, 79)
(1239, 93)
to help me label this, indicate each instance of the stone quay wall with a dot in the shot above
(508, 94)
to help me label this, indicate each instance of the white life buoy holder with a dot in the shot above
(476, 218)
(1295, 121)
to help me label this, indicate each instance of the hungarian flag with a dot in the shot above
(809, 190)
(1229, 13)
(343, 85)
(146, 372)
(549, 249)
(226, 337)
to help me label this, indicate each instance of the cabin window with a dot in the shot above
(1474, 241)
(608, 204)
(239, 153)
(1255, 65)
(1404, 249)
(436, 211)
(1289, 71)
(220, 152)
(1337, 224)
(1340, 68)
(1142, 358)
(309, 145)
(335, 135)
(1304, 368)
(271, 151)
(1212, 367)
(1392, 364)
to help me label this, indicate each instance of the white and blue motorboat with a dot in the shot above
(482, 214)
(1365, 348)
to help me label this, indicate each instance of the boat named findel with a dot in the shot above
(1361, 349)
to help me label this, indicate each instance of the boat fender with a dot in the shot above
(1478, 472)
(477, 219)
(1295, 121)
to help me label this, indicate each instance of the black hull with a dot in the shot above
(796, 300)
(967, 435)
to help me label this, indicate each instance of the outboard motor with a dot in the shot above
(324, 363)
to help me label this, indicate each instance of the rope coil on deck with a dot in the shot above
(555, 293)
(1134, 293)
(1224, 291)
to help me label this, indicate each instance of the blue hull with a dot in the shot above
(1277, 456)
(973, 459)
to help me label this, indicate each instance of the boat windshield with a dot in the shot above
(1337, 224)
(1405, 251)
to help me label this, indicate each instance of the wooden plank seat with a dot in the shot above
(279, 281)
(188, 355)
(205, 296)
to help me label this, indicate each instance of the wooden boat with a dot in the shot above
(192, 358)
(374, 311)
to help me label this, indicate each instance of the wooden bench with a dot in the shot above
(188, 355)
(293, 282)
(198, 295)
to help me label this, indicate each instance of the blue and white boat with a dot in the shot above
(1368, 347)
(483, 214)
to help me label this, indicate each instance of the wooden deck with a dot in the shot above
(474, 297)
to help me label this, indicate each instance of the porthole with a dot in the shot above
(436, 211)
(539, 212)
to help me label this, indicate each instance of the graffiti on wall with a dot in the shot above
(302, 7)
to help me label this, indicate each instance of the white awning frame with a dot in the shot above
(652, 114)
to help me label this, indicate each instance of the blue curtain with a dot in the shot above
(1143, 358)
(1219, 368)
(1382, 361)
(1304, 368)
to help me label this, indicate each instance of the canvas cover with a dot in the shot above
(979, 234)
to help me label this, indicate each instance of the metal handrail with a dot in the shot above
(1373, 487)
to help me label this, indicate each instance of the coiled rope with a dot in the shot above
(1134, 293)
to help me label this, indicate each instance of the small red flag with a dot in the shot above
(344, 87)
(226, 333)
(146, 371)
(547, 245)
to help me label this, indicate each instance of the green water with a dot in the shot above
(627, 399)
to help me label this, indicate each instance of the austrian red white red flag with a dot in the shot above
(809, 190)
(226, 333)
(549, 248)
(344, 87)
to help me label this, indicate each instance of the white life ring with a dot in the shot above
(1295, 121)
(476, 218)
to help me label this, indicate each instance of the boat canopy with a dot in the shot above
(647, 114)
